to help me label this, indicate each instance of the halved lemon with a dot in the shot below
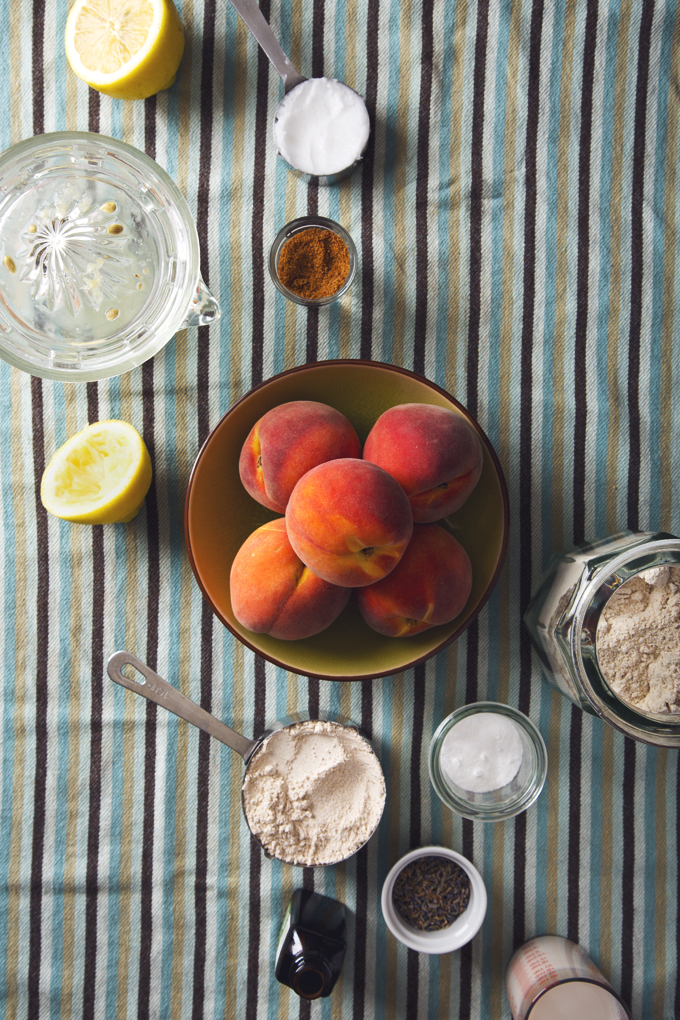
(128, 49)
(101, 475)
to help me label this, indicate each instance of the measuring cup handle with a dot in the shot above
(154, 688)
(259, 26)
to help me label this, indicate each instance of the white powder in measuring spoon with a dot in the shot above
(314, 792)
(321, 126)
(482, 752)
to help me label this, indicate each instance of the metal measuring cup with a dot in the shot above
(250, 12)
(154, 688)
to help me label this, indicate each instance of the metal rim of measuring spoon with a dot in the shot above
(154, 688)
(256, 22)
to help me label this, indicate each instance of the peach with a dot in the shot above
(434, 454)
(289, 440)
(429, 586)
(273, 592)
(349, 521)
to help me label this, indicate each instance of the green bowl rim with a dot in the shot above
(311, 366)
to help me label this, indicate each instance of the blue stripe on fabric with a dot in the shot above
(658, 255)
(8, 681)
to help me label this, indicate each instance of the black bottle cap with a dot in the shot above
(312, 976)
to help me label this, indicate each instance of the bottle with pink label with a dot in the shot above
(551, 978)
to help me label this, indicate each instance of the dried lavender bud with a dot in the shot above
(430, 893)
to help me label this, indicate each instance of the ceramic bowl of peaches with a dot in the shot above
(346, 519)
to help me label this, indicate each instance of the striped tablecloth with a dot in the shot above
(516, 223)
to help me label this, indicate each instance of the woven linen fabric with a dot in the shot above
(515, 218)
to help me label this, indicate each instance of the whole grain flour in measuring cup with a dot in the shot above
(313, 793)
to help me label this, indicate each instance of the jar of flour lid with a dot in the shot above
(578, 605)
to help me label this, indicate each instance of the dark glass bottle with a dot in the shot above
(311, 944)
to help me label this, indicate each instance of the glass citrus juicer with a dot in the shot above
(99, 258)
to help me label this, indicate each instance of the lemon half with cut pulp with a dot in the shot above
(100, 475)
(128, 49)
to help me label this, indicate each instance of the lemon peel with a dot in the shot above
(127, 49)
(101, 475)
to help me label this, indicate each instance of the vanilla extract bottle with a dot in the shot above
(311, 945)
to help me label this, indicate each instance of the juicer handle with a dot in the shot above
(154, 688)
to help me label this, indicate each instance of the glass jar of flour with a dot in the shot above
(578, 604)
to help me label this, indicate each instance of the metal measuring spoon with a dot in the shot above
(154, 688)
(255, 20)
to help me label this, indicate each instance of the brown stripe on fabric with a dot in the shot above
(93, 108)
(628, 870)
(41, 683)
(255, 907)
(202, 816)
(153, 583)
(367, 179)
(476, 182)
(411, 983)
(416, 751)
(471, 663)
(582, 272)
(257, 229)
(37, 43)
(317, 38)
(92, 390)
(637, 264)
(203, 208)
(574, 836)
(253, 931)
(465, 986)
(526, 356)
(150, 127)
(422, 183)
(94, 809)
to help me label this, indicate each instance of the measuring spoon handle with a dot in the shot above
(259, 26)
(154, 688)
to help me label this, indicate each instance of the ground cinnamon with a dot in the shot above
(314, 263)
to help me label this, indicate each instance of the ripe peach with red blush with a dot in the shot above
(273, 592)
(430, 586)
(349, 521)
(289, 440)
(434, 454)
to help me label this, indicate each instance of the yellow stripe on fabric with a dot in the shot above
(553, 784)
(562, 272)
(457, 295)
(667, 319)
(15, 51)
(127, 813)
(614, 325)
(401, 244)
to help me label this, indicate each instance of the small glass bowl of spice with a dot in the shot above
(312, 261)
(487, 761)
(434, 900)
